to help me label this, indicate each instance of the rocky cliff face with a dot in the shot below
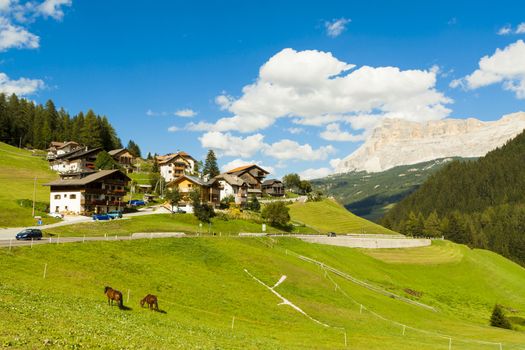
(399, 142)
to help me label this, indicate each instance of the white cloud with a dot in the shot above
(20, 87)
(186, 113)
(335, 27)
(506, 30)
(173, 128)
(314, 88)
(53, 8)
(4, 5)
(14, 36)
(223, 101)
(506, 66)
(312, 173)
(521, 28)
(295, 131)
(288, 149)
(228, 145)
(241, 162)
(333, 132)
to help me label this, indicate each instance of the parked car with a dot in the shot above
(115, 214)
(136, 202)
(29, 234)
(179, 211)
(97, 217)
(331, 234)
(56, 215)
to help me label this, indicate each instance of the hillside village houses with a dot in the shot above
(90, 192)
(174, 165)
(71, 157)
(124, 158)
(83, 190)
(241, 183)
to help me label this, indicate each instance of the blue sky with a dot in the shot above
(141, 62)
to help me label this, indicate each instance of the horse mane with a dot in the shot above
(106, 289)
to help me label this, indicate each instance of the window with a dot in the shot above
(189, 185)
(56, 209)
(57, 196)
(73, 196)
(65, 196)
(65, 208)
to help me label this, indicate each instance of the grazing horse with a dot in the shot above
(151, 300)
(113, 295)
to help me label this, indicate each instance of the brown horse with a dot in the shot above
(151, 300)
(113, 295)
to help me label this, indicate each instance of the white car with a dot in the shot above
(56, 215)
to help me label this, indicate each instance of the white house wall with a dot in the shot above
(64, 203)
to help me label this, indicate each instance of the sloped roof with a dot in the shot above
(193, 179)
(231, 179)
(270, 182)
(86, 180)
(246, 167)
(169, 157)
(58, 144)
(80, 153)
(116, 151)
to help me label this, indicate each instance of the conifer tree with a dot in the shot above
(498, 318)
(210, 165)
(133, 148)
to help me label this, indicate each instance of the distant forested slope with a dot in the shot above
(480, 203)
(370, 195)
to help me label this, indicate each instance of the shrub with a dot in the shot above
(277, 214)
(498, 318)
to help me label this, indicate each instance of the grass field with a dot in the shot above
(187, 223)
(202, 286)
(327, 215)
(18, 169)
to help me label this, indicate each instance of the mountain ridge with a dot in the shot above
(397, 142)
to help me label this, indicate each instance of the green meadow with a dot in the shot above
(18, 170)
(328, 215)
(186, 223)
(211, 302)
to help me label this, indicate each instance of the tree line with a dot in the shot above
(480, 203)
(27, 124)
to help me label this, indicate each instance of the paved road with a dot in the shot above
(7, 233)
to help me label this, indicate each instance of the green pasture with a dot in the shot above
(210, 301)
(18, 170)
(328, 215)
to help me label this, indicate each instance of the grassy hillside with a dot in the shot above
(187, 223)
(370, 195)
(18, 169)
(202, 285)
(327, 215)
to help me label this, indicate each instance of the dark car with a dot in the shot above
(115, 214)
(29, 234)
(136, 202)
(101, 217)
(331, 234)
(178, 211)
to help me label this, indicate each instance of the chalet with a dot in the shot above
(253, 175)
(232, 185)
(174, 165)
(95, 192)
(273, 187)
(123, 158)
(186, 184)
(59, 148)
(77, 161)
